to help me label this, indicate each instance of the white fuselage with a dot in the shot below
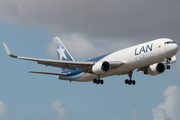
(134, 57)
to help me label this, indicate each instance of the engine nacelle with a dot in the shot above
(155, 69)
(101, 67)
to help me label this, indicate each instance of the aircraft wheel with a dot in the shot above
(130, 81)
(133, 82)
(126, 81)
(98, 81)
(94, 81)
(168, 67)
(102, 82)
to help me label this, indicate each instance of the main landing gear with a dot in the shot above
(167, 62)
(133, 82)
(98, 81)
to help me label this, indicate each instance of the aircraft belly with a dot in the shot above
(86, 78)
(72, 78)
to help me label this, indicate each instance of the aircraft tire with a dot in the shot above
(98, 81)
(102, 82)
(126, 81)
(94, 81)
(169, 67)
(133, 82)
(130, 82)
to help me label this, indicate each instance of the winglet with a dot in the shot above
(8, 51)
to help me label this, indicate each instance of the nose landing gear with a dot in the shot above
(167, 62)
(168, 67)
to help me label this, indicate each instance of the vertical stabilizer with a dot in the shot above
(61, 50)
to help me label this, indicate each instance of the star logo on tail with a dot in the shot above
(61, 52)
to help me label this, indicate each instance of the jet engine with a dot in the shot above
(101, 67)
(155, 69)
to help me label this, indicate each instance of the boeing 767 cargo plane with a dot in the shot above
(147, 57)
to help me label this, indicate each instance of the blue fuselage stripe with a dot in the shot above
(79, 71)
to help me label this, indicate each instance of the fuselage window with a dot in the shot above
(170, 42)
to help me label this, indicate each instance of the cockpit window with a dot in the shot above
(169, 42)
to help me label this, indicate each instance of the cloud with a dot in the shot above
(5, 112)
(76, 45)
(135, 114)
(51, 50)
(61, 113)
(116, 118)
(82, 47)
(170, 109)
(57, 106)
(138, 19)
(87, 22)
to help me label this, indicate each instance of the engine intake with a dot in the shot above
(101, 67)
(155, 69)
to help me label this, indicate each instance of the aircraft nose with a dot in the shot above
(175, 48)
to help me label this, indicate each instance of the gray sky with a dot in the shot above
(133, 19)
(98, 24)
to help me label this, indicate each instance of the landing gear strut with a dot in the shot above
(130, 81)
(98, 81)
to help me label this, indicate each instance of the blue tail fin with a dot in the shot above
(61, 50)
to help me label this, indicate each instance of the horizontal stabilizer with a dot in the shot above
(60, 74)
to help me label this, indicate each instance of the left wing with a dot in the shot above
(85, 66)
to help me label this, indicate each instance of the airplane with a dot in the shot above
(152, 58)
